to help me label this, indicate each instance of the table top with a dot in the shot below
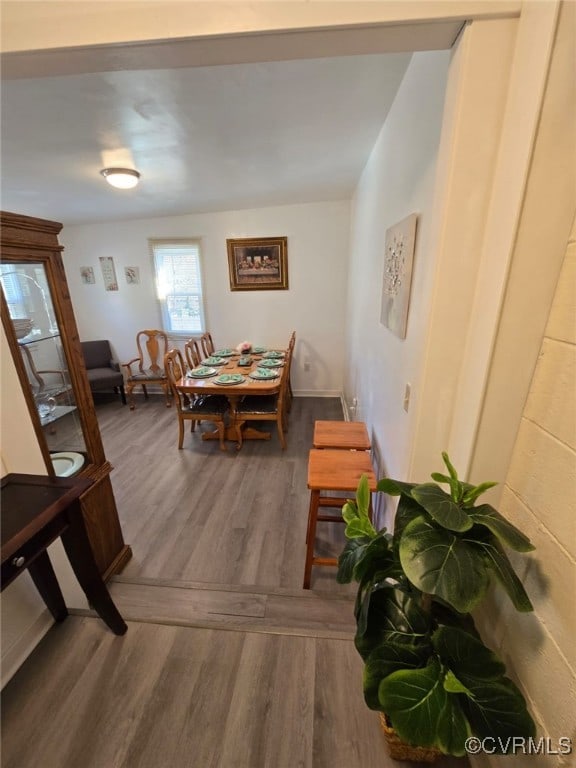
(29, 502)
(249, 386)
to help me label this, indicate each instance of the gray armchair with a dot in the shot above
(103, 372)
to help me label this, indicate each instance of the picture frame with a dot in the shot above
(87, 275)
(397, 279)
(258, 263)
(108, 273)
(132, 275)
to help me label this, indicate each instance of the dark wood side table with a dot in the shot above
(35, 511)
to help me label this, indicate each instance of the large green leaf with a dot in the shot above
(394, 487)
(506, 532)
(442, 563)
(388, 614)
(497, 709)
(422, 711)
(466, 655)
(441, 507)
(408, 509)
(388, 658)
(377, 560)
(350, 555)
(497, 561)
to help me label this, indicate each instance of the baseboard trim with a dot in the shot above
(17, 654)
(317, 393)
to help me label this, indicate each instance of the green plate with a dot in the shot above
(213, 360)
(201, 372)
(259, 350)
(264, 374)
(229, 378)
(273, 354)
(270, 363)
(225, 352)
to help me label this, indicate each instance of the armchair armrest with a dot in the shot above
(114, 365)
(129, 364)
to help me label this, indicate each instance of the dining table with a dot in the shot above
(231, 366)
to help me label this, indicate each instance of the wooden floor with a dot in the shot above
(227, 662)
(203, 515)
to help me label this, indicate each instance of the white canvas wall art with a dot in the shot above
(398, 256)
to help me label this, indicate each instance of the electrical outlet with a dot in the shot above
(407, 393)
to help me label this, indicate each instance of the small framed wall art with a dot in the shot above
(108, 273)
(258, 263)
(132, 275)
(87, 275)
(398, 257)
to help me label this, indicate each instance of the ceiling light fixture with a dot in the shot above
(122, 178)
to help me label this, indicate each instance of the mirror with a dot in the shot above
(27, 295)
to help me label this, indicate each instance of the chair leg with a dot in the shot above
(168, 394)
(239, 435)
(281, 430)
(145, 391)
(130, 394)
(122, 394)
(180, 433)
(220, 425)
(311, 537)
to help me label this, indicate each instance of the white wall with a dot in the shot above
(312, 306)
(397, 180)
(540, 498)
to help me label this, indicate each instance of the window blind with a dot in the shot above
(179, 285)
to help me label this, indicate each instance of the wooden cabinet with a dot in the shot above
(39, 323)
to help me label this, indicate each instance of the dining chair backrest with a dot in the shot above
(207, 344)
(174, 366)
(152, 345)
(192, 353)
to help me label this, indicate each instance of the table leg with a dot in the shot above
(77, 546)
(44, 578)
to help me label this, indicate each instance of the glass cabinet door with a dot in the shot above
(27, 294)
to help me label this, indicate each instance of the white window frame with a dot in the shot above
(160, 286)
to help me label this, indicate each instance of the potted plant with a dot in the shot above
(426, 669)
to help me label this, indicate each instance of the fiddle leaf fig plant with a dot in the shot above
(426, 666)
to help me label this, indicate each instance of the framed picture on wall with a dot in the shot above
(108, 273)
(258, 264)
(398, 256)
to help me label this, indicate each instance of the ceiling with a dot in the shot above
(204, 138)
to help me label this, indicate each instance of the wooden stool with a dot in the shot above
(331, 470)
(350, 435)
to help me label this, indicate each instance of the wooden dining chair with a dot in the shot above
(207, 344)
(148, 368)
(289, 392)
(192, 353)
(266, 408)
(203, 408)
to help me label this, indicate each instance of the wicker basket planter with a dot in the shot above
(399, 750)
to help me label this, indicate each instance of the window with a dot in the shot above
(179, 285)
